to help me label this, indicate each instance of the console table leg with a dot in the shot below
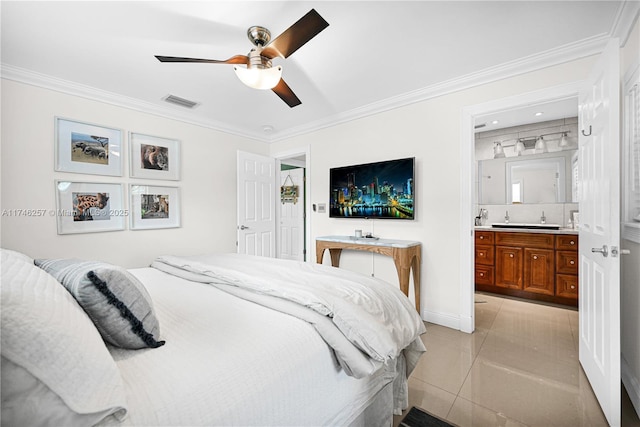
(415, 267)
(335, 256)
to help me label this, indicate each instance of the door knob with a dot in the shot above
(244, 227)
(603, 250)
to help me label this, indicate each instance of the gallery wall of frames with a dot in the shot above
(87, 205)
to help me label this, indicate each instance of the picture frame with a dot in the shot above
(87, 148)
(89, 207)
(153, 157)
(154, 206)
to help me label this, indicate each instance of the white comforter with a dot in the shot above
(365, 320)
(228, 361)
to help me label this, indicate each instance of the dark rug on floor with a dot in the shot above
(419, 418)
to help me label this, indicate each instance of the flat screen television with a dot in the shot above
(373, 190)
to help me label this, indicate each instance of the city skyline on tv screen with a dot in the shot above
(373, 190)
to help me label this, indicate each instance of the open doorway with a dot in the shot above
(472, 116)
(292, 211)
(526, 202)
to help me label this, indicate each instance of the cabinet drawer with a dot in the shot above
(484, 254)
(484, 275)
(566, 242)
(529, 240)
(566, 262)
(484, 237)
(567, 285)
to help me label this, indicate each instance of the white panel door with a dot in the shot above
(291, 218)
(599, 198)
(256, 197)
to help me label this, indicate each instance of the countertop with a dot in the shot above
(375, 241)
(526, 230)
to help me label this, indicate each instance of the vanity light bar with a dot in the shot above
(530, 141)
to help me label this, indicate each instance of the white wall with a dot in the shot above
(207, 185)
(430, 131)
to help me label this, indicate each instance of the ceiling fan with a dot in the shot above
(259, 72)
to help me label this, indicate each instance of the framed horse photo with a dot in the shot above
(87, 148)
(89, 207)
(154, 206)
(153, 157)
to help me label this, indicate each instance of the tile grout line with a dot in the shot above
(475, 358)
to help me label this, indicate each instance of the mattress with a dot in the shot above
(228, 361)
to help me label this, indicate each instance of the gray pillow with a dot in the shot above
(117, 303)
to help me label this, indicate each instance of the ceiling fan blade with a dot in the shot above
(286, 94)
(238, 59)
(295, 36)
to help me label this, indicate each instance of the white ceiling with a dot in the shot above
(375, 55)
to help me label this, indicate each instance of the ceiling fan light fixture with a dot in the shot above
(259, 78)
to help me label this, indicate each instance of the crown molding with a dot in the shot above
(626, 18)
(567, 53)
(33, 78)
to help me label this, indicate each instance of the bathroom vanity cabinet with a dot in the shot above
(539, 266)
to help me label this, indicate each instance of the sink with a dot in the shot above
(522, 225)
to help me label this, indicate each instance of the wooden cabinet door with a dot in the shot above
(509, 267)
(539, 272)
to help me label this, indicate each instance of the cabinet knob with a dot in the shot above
(510, 255)
(481, 274)
(481, 253)
(481, 237)
(572, 242)
(535, 257)
(572, 262)
(573, 286)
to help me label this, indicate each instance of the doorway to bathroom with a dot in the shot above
(514, 114)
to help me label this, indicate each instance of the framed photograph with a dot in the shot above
(88, 148)
(153, 157)
(89, 207)
(154, 207)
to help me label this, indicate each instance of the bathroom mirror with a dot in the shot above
(536, 178)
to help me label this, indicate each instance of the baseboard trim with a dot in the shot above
(448, 320)
(631, 384)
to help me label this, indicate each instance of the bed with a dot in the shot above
(221, 340)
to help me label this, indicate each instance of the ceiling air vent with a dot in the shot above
(180, 101)
(480, 126)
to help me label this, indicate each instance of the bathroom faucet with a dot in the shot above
(543, 219)
(506, 217)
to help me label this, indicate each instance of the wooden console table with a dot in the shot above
(405, 254)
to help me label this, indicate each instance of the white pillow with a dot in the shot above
(46, 333)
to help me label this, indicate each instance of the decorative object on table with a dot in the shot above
(154, 207)
(288, 193)
(87, 148)
(153, 157)
(87, 207)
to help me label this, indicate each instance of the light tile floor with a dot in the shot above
(519, 368)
